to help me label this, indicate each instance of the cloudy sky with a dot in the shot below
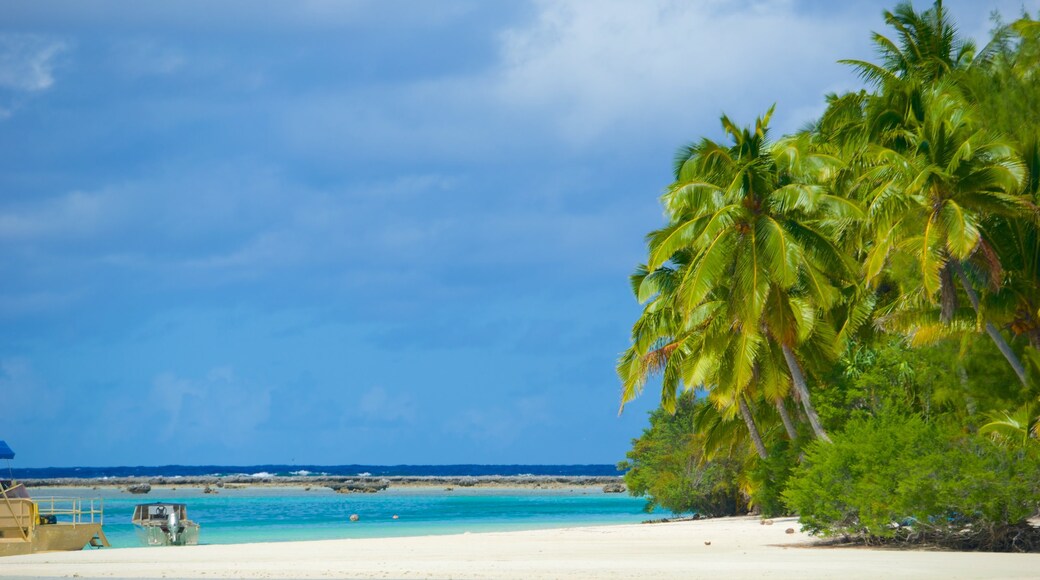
(359, 231)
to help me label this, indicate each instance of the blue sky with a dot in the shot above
(359, 232)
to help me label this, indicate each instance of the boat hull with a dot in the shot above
(157, 536)
(51, 538)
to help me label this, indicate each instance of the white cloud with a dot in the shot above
(302, 227)
(379, 405)
(34, 302)
(27, 61)
(496, 425)
(203, 15)
(148, 57)
(75, 214)
(641, 64)
(263, 252)
(219, 408)
(449, 118)
(230, 224)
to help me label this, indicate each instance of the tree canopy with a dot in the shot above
(885, 259)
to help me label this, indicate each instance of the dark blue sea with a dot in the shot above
(315, 470)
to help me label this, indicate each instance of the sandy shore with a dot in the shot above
(739, 548)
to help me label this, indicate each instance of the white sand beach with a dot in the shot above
(723, 548)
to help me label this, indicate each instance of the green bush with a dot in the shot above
(769, 478)
(665, 466)
(900, 478)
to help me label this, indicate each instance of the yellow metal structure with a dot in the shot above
(49, 524)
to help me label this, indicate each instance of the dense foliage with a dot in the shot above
(900, 478)
(667, 467)
(880, 267)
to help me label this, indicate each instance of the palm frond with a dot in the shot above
(708, 269)
(779, 252)
(871, 73)
(962, 233)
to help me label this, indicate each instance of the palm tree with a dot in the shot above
(746, 217)
(1021, 426)
(662, 338)
(913, 133)
(1017, 242)
(669, 343)
(686, 350)
(927, 48)
(931, 198)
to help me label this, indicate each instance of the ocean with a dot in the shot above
(272, 514)
(287, 470)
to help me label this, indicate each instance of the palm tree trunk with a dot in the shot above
(991, 329)
(969, 401)
(745, 412)
(792, 433)
(802, 393)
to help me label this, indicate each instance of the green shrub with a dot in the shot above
(900, 478)
(769, 478)
(665, 466)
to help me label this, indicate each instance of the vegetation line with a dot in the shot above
(881, 267)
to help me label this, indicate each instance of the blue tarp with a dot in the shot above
(5, 451)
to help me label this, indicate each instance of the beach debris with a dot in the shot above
(354, 517)
(139, 488)
(616, 487)
(767, 522)
(677, 519)
(789, 531)
(208, 489)
(707, 542)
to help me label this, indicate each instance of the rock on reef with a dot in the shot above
(360, 486)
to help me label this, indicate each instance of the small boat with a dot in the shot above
(165, 524)
(51, 524)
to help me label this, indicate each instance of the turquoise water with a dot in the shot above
(284, 514)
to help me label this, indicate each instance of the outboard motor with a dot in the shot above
(174, 523)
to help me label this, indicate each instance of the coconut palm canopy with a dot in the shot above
(904, 211)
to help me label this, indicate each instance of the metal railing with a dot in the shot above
(71, 509)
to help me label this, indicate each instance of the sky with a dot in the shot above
(371, 232)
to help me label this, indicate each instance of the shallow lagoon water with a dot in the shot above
(271, 514)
